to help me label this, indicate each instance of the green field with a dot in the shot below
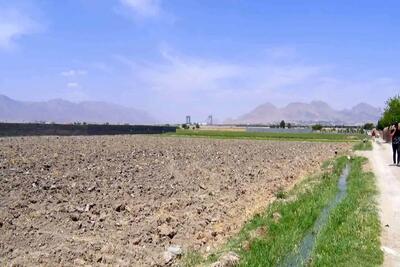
(318, 137)
(350, 236)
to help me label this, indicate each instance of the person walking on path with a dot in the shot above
(395, 135)
(373, 134)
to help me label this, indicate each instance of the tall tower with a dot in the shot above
(188, 120)
(210, 120)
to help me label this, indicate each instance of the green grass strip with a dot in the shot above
(298, 213)
(317, 137)
(351, 237)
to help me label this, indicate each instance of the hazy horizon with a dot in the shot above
(193, 118)
(173, 58)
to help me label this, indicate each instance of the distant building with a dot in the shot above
(188, 120)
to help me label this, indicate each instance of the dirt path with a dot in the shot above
(388, 179)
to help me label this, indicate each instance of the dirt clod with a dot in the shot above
(166, 230)
(120, 207)
(74, 217)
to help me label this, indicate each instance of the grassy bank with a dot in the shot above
(350, 238)
(363, 145)
(319, 137)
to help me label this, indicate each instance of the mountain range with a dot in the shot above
(62, 111)
(308, 113)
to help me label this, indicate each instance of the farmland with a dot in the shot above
(125, 199)
(312, 137)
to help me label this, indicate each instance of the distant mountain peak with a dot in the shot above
(315, 111)
(363, 106)
(267, 105)
(320, 104)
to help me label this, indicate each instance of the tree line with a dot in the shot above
(391, 114)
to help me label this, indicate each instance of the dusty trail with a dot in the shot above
(388, 180)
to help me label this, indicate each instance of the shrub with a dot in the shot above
(317, 127)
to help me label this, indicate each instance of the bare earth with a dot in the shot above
(122, 200)
(388, 180)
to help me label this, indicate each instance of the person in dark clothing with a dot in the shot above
(395, 134)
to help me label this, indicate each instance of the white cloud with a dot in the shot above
(143, 8)
(179, 84)
(182, 74)
(73, 73)
(72, 85)
(15, 24)
(178, 74)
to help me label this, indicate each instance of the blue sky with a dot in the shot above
(200, 57)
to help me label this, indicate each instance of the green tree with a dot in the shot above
(368, 126)
(380, 125)
(317, 127)
(282, 124)
(391, 115)
(289, 125)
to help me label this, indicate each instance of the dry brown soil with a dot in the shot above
(122, 200)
